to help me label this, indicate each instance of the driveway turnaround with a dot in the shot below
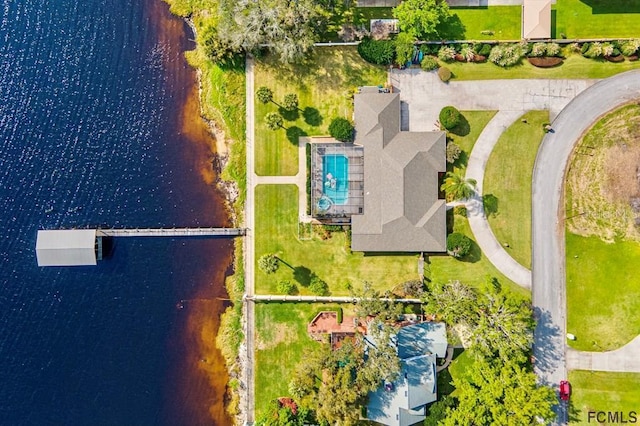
(548, 255)
(480, 227)
(425, 95)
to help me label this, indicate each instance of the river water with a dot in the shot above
(99, 127)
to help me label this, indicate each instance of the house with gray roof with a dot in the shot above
(404, 210)
(404, 402)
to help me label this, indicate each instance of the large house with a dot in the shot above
(404, 210)
(387, 182)
(404, 402)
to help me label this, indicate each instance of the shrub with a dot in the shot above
(287, 287)
(341, 129)
(629, 48)
(607, 49)
(594, 50)
(429, 63)
(268, 263)
(484, 49)
(444, 73)
(453, 152)
(616, 52)
(585, 47)
(538, 49)
(449, 117)
(553, 49)
(458, 245)
(318, 287)
(575, 47)
(506, 55)
(460, 211)
(379, 52)
(339, 315)
(447, 54)
(467, 53)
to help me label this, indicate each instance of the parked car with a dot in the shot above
(565, 390)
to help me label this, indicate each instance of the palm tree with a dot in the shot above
(264, 94)
(457, 187)
(274, 120)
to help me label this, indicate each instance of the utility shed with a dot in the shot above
(536, 19)
(69, 247)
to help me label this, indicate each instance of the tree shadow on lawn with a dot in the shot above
(452, 28)
(490, 203)
(463, 128)
(289, 115)
(312, 116)
(294, 133)
(474, 255)
(302, 275)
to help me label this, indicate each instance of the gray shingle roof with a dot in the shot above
(402, 211)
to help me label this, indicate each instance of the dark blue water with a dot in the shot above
(90, 134)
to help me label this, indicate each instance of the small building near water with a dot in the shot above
(68, 247)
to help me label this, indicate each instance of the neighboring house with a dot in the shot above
(536, 19)
(404, 209)
(404, 402)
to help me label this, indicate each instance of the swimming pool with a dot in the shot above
(335, 181)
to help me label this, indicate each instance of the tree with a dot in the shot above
(404, 48)
(458, 244)
(449, 117)
(341, 129)
(382, 362)
(287, 28)
(371, 303)
(273, 120)
(421, 18)
(453, 152)
(217, 48)
(496, 392)
(317, 286)
(379, 52)
(264, 94)
(290, 102)
(454, 302)
(287, 287)
(268, 263)
(457, 187)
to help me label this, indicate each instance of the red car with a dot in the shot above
(565, 390)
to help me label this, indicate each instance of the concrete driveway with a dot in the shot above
(424, 95)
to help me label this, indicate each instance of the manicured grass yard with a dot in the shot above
(575, 66)
(603, 292)
(601, 391)
(607, 18)
(323, 84)
(277, 232)
(508, 177)
(504, 21)
(281, 336)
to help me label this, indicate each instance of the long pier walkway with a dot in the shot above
(171, 232)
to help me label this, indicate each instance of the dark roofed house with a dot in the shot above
(403, 211)
(404, 402)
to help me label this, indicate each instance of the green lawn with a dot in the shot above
(601, 391)
(323, 84)
(607, 18)
(281, 336)
(472, 270)
(468, 23)
(603, 292)
(508, 178)
(466, 134)
(575, 66)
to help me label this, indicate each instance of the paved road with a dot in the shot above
(548, 257)
(480, 227)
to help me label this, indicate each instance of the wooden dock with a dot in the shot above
(171, 232)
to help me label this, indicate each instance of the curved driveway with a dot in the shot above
(548, 257)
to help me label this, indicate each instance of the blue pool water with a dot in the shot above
(335, 169)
